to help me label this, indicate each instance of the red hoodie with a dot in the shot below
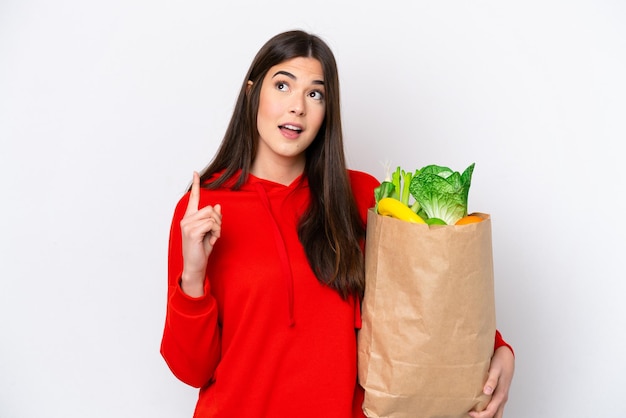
(267, 339)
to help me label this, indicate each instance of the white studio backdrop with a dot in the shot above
(106, 108)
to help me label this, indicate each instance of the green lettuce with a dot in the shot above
(441, 192)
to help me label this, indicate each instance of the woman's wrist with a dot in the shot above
(192, 285)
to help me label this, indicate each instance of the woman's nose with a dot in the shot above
(297, 106)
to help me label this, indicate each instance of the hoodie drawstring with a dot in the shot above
(282, 252)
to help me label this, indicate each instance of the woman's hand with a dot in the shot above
(200, 230)
(498, 383)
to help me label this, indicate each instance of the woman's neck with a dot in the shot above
(278, 172)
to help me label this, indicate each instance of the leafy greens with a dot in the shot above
(441, 192)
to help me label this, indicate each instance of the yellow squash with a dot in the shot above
(389, 206)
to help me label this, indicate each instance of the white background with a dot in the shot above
(106, 108)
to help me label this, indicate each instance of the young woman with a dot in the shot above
(266, 266)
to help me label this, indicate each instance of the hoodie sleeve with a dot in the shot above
(501, 343)
(191, 337)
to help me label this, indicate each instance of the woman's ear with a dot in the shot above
(249, 86)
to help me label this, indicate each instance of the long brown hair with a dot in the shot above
(330, 230)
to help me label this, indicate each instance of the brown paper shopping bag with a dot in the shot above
(428, 324)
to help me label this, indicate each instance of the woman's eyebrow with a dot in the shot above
(293, 77)
(285, 73)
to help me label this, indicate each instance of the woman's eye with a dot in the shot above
(317, 95)
(282, 86)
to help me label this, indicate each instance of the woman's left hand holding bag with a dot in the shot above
(498, 383)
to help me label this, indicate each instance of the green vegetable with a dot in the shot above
(441, 192)
(386, 189)
(406, 180)
(398, 187)
(401, 180)
(396, 179)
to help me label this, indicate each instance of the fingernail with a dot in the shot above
(488, 390)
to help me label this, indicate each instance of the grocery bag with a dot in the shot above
(428, 318)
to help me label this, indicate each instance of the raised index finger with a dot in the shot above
(194, 196)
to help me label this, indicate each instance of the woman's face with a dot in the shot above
(291, 111)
